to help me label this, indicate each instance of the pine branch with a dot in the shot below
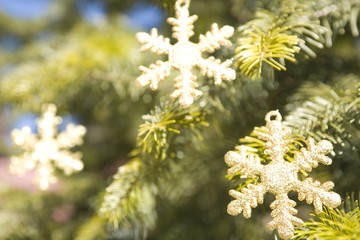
(259, 47)
(93, 228)
(342, 223)
(280, 36)
(292, 26)
(336, 15)
(155, 134)
(330, 112)
(130, 198)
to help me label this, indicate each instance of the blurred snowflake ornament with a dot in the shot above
(280, 176)
(185, 55)
(47, 150)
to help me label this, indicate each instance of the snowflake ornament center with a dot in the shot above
(184, 55)
(44, 150)
(279, 177)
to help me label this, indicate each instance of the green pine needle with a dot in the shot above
(92, 229)
(340, 224)
(129, 200)
(324, 111)
(259, 46)
(164, 121)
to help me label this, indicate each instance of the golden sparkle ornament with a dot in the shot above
(185, 55)
(47, 149)
(279, 177)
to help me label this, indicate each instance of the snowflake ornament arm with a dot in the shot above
(245, 164)
(214, 39)
(312, 191)
(183, 24)
(20, 164)
(249, 197)
(213, 68)
(185, 55)
(318, 194)
(72, 136)
(284, 221)
(154, 74)
(153, 42)
(70, 162)
(23, 138)
(185, 84)
(279, 177)
(307, 159)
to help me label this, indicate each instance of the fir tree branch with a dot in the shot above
(293, 25)
(342, 223)
(130, 198)
(336, 15)
(271, 36)
(163, 122)
(93, 228)
(330, 112)
(259, 47)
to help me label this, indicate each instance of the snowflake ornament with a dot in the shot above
(47, 149)
(279, 177)
(185, 55)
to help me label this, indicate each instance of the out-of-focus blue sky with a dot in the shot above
(92, 11)
(25, 9)
(142, 15)
(145, 15)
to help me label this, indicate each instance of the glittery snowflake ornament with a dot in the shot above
(185, 55)
(280, 176)
(48, 149)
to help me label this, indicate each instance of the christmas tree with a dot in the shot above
(161, 119)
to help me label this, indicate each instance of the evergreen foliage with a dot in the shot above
(289, 27)
(341, 223)
(331, 111)
(130, 198)
(154, 170)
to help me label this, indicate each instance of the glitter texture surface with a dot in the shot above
(279, 177)
(47, 150)
(184, 55)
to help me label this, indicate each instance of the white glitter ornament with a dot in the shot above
(279, 177)
(185, 55)
(44, 151)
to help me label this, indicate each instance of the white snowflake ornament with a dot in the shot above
(279, 177)
(185, 55)
(47, 149)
